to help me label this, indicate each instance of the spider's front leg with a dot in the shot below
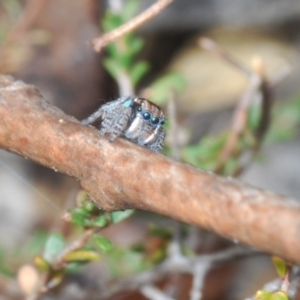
(93, 117)
(116, 122)
(158, 144)
(152, 139)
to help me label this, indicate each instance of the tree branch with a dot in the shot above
(122, 175)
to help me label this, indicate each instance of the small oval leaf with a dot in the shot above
(281, 266)
(82, 255)
(279, 296)
(41, 263)
(118, 216)
(100, 221)
(103, 243)
(262, 295)
(54, 245)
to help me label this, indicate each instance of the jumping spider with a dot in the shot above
(138, 119)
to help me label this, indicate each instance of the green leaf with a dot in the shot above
(54, 245)
(82, 198)
(159, 231)
(262, 295)
(160, 89)
(100, 221)
(112, 50)
(118, 216)
(138, 70)
(90, 207)
(124, 59)
(136, 45)
(113, 67)
(285, 119)
(80, 219)
(281, 266)
(103, 243)
(123, 262)
(82, 255)
(231, 165)
(41, 263)
(111, 21)
(82, 211)
(13, 7)
(130, 9)
(35, 244)
(204, 154)
(279, 296)
(254, 116)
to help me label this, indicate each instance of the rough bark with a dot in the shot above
(122, 175)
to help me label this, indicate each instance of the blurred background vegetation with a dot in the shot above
(46, 43)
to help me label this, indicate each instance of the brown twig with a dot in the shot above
(213, 47)
(285, 281)
(239, 121)
(258, 84)
(77, 244)
(122, 175)
(151, 12)
(151, 292)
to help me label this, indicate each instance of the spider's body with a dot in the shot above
(138, 119)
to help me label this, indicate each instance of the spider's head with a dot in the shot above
(149, 112)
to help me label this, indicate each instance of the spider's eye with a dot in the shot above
(155, 120)
(162, 122)
(139, 109)
(146, 115)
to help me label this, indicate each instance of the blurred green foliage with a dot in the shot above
(121, 54)
(123, 262)
(11, 11)
(285, 121)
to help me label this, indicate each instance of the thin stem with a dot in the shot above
(173, 131)
(213, 47)
(200, 271)
(177, 264)
(151, 12)
(258, 84)
(286, 280)
(75, 245)
(153, 293)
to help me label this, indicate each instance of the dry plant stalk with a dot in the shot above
(122, 175)
(148, 14)
(258, 83)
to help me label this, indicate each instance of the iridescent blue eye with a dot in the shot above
(146, 115)
(162, 122)
(155, 120)
(139, 109)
